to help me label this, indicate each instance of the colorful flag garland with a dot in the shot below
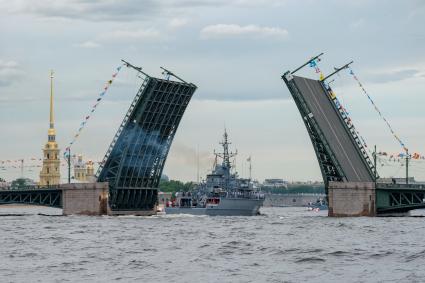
(345, 113)
(402, 155)
(402, 144)
(91, 111)
(313, 64)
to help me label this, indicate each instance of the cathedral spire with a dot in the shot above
(50, 173)
(52, 131)
(52, 126)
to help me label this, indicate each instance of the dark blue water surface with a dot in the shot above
(282, 245)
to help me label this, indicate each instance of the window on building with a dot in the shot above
(48, 156)
(48, 170)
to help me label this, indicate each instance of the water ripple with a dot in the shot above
(282, 245)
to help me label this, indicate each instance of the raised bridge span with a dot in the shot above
(135, 159)
(342, 155)
(351, 181)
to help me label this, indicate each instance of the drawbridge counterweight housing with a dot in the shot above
(136, 157)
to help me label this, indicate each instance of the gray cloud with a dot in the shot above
(13, 98)
(234, 30)
(9, 72)
(94, 10)
(118, 10)
(87, 44)
(139, 34)
(187, 156)
(245, 96)
(396, 75)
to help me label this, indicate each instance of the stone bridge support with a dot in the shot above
(351, 199)
(85, 198)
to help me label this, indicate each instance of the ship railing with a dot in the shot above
(241, 195)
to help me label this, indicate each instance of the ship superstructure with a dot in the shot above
(222, 192)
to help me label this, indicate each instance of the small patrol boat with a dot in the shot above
(320, 204)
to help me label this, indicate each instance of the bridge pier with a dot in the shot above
(85, 198)
(351, 199)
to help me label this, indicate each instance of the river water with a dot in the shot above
(282, 245)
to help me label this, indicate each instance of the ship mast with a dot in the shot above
(226, 155)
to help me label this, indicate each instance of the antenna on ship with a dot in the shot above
(226, 155)
(250, 167)
(22, 168)
(215, 160)
(197, 163)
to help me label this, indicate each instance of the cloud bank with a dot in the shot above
(234, 30)
(9, 72)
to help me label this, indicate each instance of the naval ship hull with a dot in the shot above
(226, 207)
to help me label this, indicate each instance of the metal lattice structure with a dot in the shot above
(135, 159)
(37, 196)
(398, 198)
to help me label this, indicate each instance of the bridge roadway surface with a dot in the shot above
(334, 129)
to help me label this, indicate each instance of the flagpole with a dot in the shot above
(250, 168)
(69, 165)
(197, 163)
(407, 166)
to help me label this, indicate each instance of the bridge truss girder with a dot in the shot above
(399, 198)
(44, 197)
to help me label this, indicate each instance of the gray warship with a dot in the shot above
(222, 192)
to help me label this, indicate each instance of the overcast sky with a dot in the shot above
(235, 52)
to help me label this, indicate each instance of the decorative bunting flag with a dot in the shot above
(93, 108)
(351, 72)
(313, 64)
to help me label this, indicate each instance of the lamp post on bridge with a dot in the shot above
(374, 164)
(407, 167)
(69, 165)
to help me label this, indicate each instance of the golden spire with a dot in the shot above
(51, 100)
(50, 173)
(51, 132)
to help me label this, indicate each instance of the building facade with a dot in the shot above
(84, 171)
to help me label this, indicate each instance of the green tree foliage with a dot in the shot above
(175, 186)
(296, 189)
(2, 180)
(21, 183)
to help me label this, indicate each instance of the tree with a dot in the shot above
(21, 183)
(296, 189)
(175, 186)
